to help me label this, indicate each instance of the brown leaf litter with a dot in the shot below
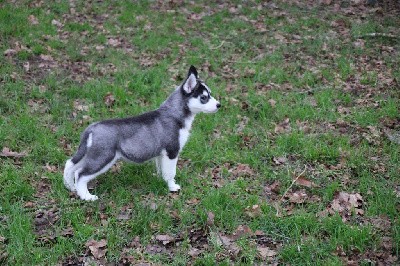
(7, 152)
(283, 127)
(97, 248)
(232, 171)
(44, 224)
(345, 204)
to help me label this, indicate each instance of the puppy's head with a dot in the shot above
(199, 94)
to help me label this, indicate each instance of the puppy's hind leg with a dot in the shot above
(81, 186)
(87, 173)
(72, 164)
(69, 175)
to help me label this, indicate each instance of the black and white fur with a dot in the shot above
(159, 134)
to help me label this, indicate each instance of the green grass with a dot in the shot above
(340, 97)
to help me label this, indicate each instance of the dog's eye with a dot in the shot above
(203, 99)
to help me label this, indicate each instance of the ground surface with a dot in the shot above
(300, 166)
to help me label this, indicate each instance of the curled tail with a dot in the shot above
(86, 141)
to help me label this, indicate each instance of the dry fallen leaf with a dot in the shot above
(265, 252)
(97, 248)
(27, 66)
(193, 201)
(6, 152)
(272, 102)
(228, 244)
(242, 230)
(274, 187)
(194, 252)
(345, 203)
(33, 20)
(241, 170)
(244, 120)
(56, 23)
(305, 182)
(9, 52)
(46, 57)
(165, 239)
(279, 160)
(80, 106)
(67, 232)
(109, 99)
(29, 204)
(113, 42)
(253, 211)
(283, 127)
(298, 197)
(210, 218)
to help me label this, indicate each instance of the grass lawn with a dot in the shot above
(301, 166)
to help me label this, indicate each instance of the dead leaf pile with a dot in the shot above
(346, 204)
(227, 243)
(231, 171)
(266, 247)
(17, 47)
(38, 106)
(241, 170)
(382, 256)
(198, 239)
(373, 135)
(44, 222)
(42, 187)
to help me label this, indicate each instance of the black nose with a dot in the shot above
(218, 105)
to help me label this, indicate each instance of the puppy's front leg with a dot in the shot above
(168, 169)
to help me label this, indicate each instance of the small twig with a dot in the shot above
(277, 204)
(376, 34)
(291, 185)
(217, 47)
(240, 62)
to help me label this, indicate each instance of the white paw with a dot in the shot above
(174, 187)
(90, 197)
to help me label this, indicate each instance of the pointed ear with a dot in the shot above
(193, 70)
(190, 83)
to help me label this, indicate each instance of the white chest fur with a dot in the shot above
(185, 132)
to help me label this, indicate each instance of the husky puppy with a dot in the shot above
(159, 134)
